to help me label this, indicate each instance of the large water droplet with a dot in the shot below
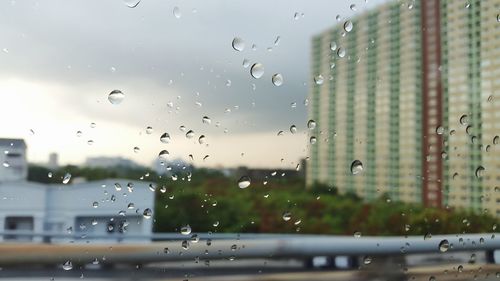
(238, 44)
(165, 138)
(147, 213)
(444, 245)
(186, 230)
(116, 97)
(132, 3)
(257, 70)
(244, 182)
(177, 12)
(163, 154)
(66, 178)
(277, 79)
(356, 167)
(348, 26)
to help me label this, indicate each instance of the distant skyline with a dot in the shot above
(60, 60)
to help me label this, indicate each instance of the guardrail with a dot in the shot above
(175, 247)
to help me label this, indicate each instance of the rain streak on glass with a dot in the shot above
(238, 44)
(257, 70)
(116, 97)
(244, 182)
(165, 138)
(444, 245)
(277, 79)
(356, 167)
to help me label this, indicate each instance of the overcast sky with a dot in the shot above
(60, 59)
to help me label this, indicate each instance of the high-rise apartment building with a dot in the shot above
(409, 90)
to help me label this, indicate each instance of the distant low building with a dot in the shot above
(106, 162)
(100, 210)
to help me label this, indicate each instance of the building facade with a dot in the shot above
(409, 92)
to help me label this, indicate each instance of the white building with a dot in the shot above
(97, 211)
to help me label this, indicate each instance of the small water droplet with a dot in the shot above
(246, 63)
(79, 133)
(479, 172)
(185, 245)
(165, 138)
(333, 46)
(318, 79)
(311, 124)
(147, 214)
(67, 265)
(357, 234)
(149, 130)
(131, 206)
(186, 230)
(313, 140)
(353, 7)
(257, 70)
(348, 26)
(356, 167)
(164, 154)
(244, 182)
(464, 120)
(202, 139)
(95, 204)
(277, 79)
(177, 12)
(444, 245)
(137, 149)
(440, 130)
(132, 3)
(293, 129)
(367, 260)
(238, 44)
(432, 278)
(190, 134)
(287, 216)
(496, 140)
(116, 97)
(66, 178)
(90, 142)
(341, 52)
(118, 186)
(206, 120)
(427, 236)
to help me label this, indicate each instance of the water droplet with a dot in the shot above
(66, 178)
(244, 182)
(202, 139)
(479, 172)
(460, 268)
(313, 140)
(95, 204)
(149, 130)
(206, 120)
(79, 133)
(341, 52)
(147, 213)
(116, 97)
(357, 234)
(90, 142)
(131, 206)
(311, 124)
(257, 70)
(427, 236)
(164, 154)
(353, 7)
(432, 278)
(444, 245)
(367, 260)
(165, 138)
(137, 149)
(238, 44)
(186, 230)
(440, 130)
(348, 26)
(190, 134)
(286, 216)
(152, 187)
(185, 245)
(356, 167)
(177, 12)
(319, 79)
(246, 63)
(67, 265)
(293, 129)
(333, 46)
(118, 186)
(280, 133)
(464, 120)
(228, 83)
(496, 140)
(132, 3)
(277, 79)
(498, 17)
